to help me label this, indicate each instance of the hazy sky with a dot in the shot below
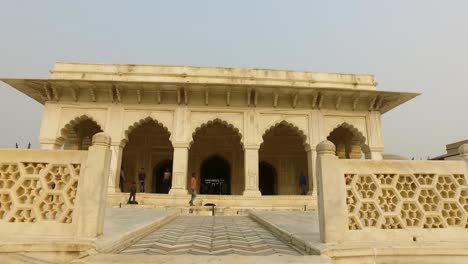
(415, 46)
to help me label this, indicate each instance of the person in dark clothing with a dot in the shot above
(303, 183)
(141, 179)
(131, 198)
(122, 179)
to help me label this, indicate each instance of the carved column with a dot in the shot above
(341, 150)
(312, 177)
(179, 170)
(115, 166)
(251, 171)
(375, 136)
(355, 149)
(376, 153)
(50, 144)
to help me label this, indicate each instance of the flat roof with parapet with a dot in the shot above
(168, 77)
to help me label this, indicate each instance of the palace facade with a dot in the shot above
(244, 132)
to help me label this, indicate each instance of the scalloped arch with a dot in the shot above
(219, 121)
(141, 122)
(352, 129)
(73, 122)
(296, 129)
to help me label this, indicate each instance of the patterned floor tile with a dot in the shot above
(211, 235)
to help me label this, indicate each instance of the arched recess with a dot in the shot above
(146, 143)
(217, 137)
(267, 178)
(215, 176)
(284, 147)
(160, 183)
(349, 141)
(78, 133)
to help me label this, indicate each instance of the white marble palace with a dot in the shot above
(248, 134)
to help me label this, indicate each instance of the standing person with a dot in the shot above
(141, 179)
(303, 183)
(122, 179)
(131, 198)
(193, 187)
(167, 180)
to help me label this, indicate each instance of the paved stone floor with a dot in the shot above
(211, 235)
(123, 224)
(301, 224)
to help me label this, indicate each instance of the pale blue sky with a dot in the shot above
(416, 46)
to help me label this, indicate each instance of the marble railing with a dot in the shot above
(46, 192)
(364, 200)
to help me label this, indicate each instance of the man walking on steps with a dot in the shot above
(131, 198)
(193, 187)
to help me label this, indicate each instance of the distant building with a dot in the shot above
(452, 151)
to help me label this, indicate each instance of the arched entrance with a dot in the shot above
(267, 178)
(215, 176)
(160, 184)
(216, 152)
(147, 147)
(283, 149)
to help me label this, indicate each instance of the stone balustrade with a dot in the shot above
(368, 200)
(54, 193)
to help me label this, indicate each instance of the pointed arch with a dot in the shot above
(358, 134)
(69, 134)
(217, 121)
(78, 119)
(140, 122)
(217, 137)
(349, 141)
(293, 127)
(284, 146)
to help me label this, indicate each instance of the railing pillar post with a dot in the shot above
(92, 188)
(332, 210)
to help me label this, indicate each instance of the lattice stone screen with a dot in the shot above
(398, 201)
(38, 192)
(391, 201)
(41, 190)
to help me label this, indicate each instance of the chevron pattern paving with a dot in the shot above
(211, 235)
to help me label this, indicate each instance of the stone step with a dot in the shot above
(187, 259)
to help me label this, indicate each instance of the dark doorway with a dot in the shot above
(161, 185)
(215, 176)
(267, 178)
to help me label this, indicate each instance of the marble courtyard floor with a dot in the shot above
(165, 236)
(211, 235)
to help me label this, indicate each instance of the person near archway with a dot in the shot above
(141, 179)
(122, 179)
(131, 198)
(167, 179)
(193, 187)
(303, 183)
